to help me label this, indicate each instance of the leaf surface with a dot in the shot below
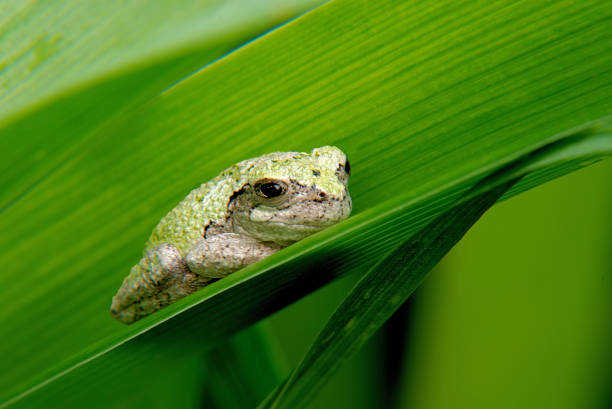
(425, 98)
(389, 283)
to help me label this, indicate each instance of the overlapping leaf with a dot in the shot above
(387, 285)
(425, 98)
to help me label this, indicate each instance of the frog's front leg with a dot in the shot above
(221, 254)
(160, 278)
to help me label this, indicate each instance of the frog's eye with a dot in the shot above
(270, 188)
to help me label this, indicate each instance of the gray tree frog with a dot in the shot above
(251, 210)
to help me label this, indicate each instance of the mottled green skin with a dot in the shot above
(208, 203)
(226, 224)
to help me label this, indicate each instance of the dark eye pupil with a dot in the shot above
(271, 189)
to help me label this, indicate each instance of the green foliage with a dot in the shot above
(387, 285)
(72, 66)
(426, 99)
(518, 315)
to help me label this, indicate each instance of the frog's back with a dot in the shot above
(184, 224)
(209, 202)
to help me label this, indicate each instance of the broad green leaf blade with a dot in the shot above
(387, 285)
(67, 67)
(426, 99)
(52, 48)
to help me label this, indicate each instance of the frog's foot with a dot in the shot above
(160, 278)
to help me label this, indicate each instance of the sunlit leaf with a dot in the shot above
(426, 99)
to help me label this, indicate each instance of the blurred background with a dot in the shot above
(516, 316)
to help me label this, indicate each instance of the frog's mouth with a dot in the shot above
(302, 226)
(319, 212)
(295, 221)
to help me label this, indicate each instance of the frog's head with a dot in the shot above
(292, 195)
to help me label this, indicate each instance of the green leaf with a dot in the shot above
(426, 99)
(387, 285)
(55, 47)
(524, 300)
(381, 291)
(72, 66)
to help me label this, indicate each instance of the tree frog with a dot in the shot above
(249, 211)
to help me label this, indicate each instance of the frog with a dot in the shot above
(249, 211)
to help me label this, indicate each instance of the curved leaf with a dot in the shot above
(72, 66)
(387, 285)
(425, 98)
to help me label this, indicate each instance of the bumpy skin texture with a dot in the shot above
(251, 210)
